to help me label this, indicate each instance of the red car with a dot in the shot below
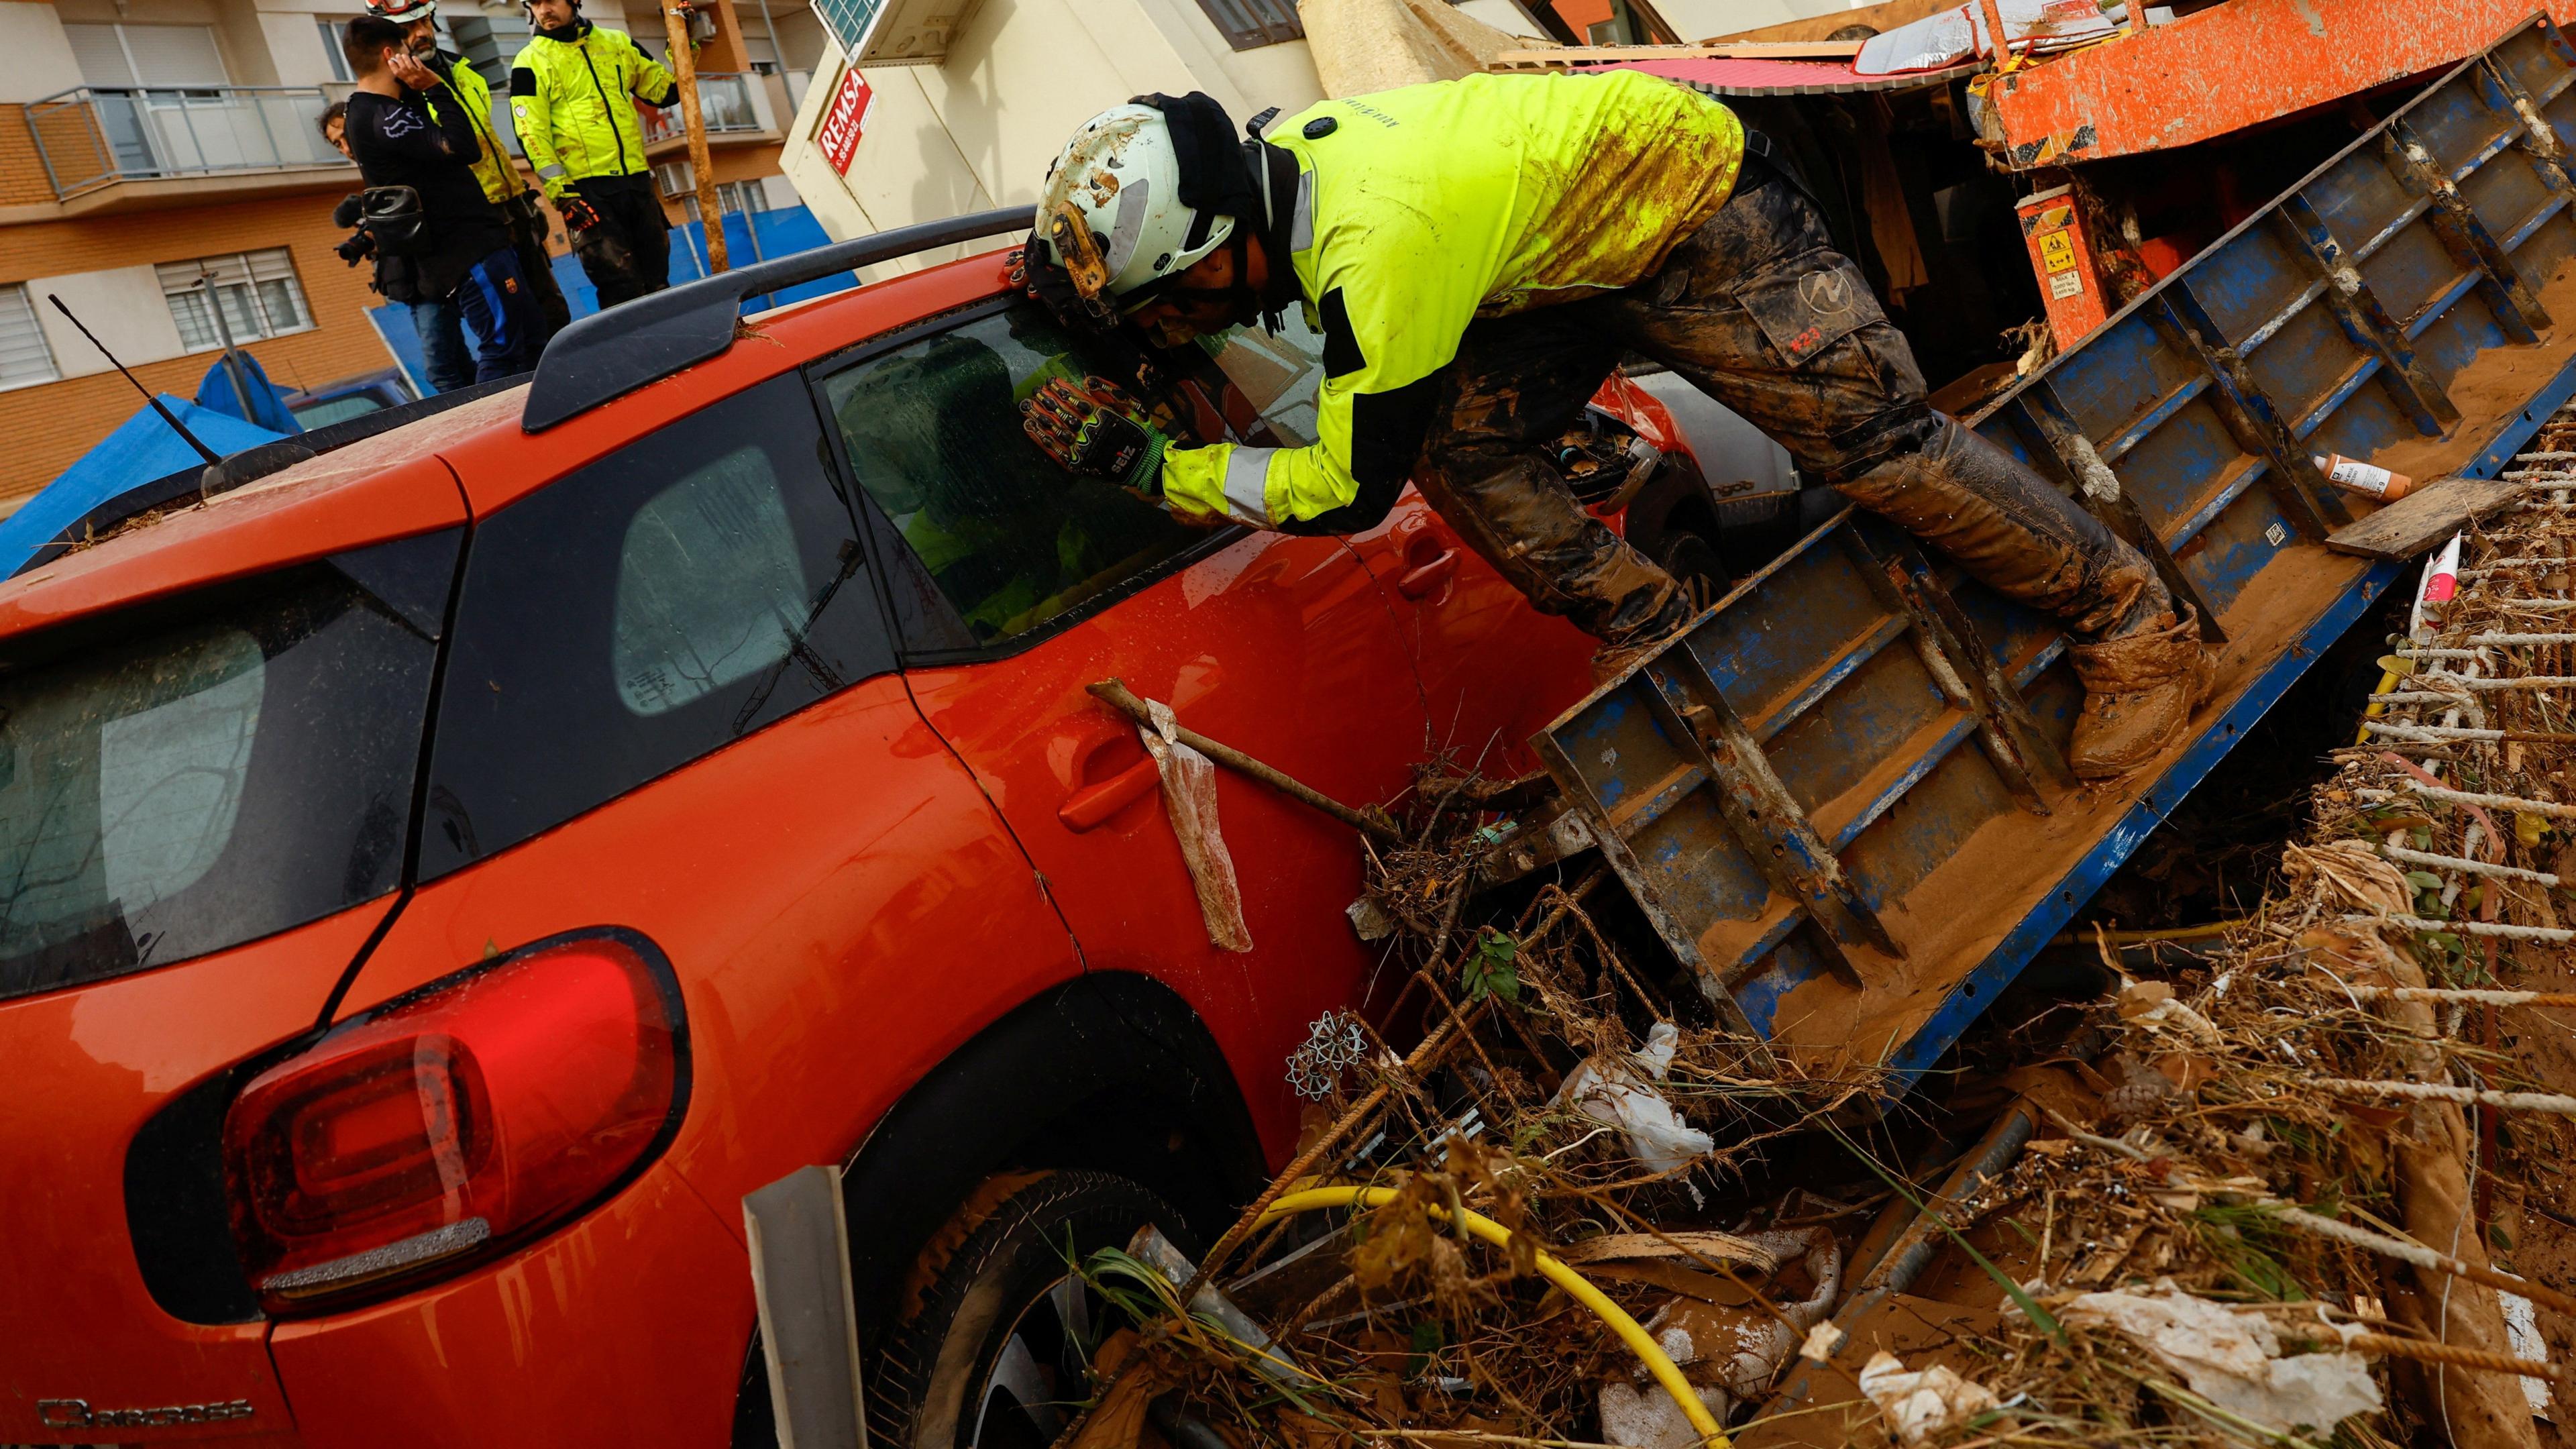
(440, 877)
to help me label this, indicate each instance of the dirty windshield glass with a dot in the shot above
(1010, 539)
(233, 767)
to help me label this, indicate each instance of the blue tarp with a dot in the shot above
(141, 449)
(145, 448)
(267, 409)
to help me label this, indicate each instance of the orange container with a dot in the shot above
(2356, 476)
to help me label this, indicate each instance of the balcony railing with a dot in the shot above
(724, 96)
(94, 136)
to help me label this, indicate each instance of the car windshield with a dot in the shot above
(219, 770)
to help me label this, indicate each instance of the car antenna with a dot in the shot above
(167, 416)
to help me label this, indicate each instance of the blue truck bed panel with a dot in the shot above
(1840, 798)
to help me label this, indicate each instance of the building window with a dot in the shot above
(332, 54)
(24, 357)
(1252, 24)
(260, 294)
(733, 196)
(147, 55)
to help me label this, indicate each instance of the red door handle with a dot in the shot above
(1426, 579)
(1092, 805)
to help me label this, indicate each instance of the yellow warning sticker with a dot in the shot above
(2058, 251)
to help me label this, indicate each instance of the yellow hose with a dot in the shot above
(1658, 1363)
(2376, 708)
(2392, 668)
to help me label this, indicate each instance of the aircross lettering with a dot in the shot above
(77, 1414)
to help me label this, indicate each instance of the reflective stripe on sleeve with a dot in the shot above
(552, 173)
(1247, 486)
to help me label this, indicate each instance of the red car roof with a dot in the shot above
(441, 470)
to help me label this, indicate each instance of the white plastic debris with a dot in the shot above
(1920, 1404)
(1732, 1354)
(2234, 1359)
(1189, 798)
(1952, 36)
(1822, 1341)
(1644, 1416)
(1610, 1091)
(2153, 1003)
(2522, 1335)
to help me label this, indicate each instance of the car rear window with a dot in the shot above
(197, 774)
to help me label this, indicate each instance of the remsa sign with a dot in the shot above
(839, 136)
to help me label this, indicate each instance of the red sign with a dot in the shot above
(839, 136)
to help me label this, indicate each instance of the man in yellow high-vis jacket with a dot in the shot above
(573, 92)
(1477, 255)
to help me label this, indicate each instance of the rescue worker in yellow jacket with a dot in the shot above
(1477, 255)
(573, 91)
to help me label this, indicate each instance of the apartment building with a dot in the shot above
(160, 159)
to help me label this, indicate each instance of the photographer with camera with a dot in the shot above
(445, 357)
(461, 249)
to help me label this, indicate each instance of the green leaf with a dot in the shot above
(2423, 880)
(1492, 968)
(1427, 1340)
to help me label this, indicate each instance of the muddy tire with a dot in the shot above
(996, 1354)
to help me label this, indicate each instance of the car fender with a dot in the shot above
(1111, 1070)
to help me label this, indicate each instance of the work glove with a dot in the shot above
(578, 214)
(1095, 430)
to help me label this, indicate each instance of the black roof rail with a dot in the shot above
(612, 353)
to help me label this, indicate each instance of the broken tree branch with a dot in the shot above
(2419, 1255)
(2476, 1359)
(2550, 1102)
(1115, 693)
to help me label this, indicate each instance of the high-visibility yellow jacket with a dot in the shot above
(466, 87)
(570, 99)
(1422, 209)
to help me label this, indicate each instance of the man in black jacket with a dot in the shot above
(463, 250)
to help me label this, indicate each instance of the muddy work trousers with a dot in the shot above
(1759, 312)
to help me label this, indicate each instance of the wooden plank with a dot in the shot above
(2424, 517)
(800, 1277)
(1562, 55)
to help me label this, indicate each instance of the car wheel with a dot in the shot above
(997, 1354)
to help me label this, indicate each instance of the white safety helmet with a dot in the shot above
(1111, 212)
(402, 12)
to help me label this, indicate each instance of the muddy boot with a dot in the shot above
(1633, 646)
(2139, 690)
(2018, 535)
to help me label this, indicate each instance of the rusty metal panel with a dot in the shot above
(2229, 67)
(1864, 838)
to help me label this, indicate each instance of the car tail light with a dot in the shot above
(455, 1122)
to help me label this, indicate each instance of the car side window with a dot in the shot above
(999, 539)
(652, 607)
